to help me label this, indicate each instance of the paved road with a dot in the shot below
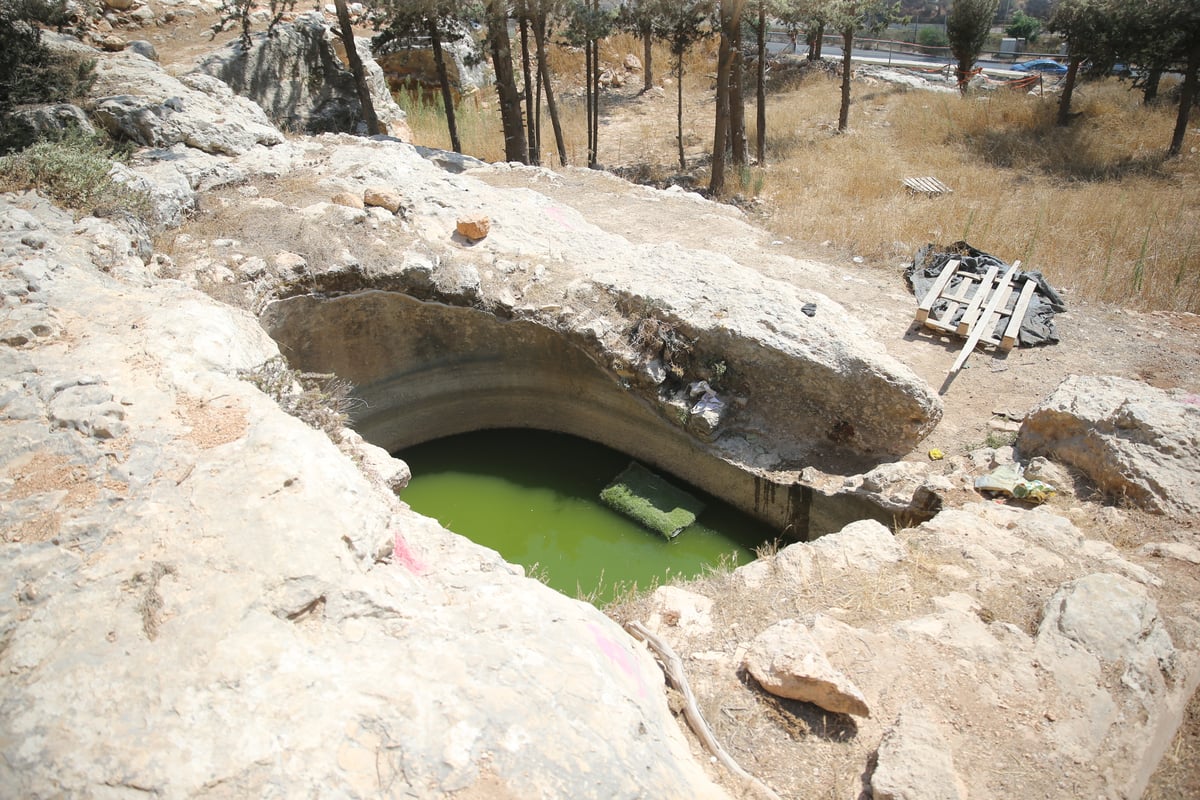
(834, 52)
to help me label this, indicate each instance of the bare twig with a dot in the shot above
(673, 667)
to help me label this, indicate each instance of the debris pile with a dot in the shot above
(1037, 327)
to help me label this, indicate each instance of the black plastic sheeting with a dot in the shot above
(1038, 327)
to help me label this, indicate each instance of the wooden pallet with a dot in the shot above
(928, 186)
(985, 301)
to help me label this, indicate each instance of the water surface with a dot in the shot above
(534, 497)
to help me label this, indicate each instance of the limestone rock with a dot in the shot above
(915, 762)
(218, 579)
(26, 124)
(348, 199)
(1111, 617)
(153, 109)
(1131, 439)
(901, 486)
(632, 63)
(865, 545)
(1180, 551)
(119, 5)
(382, 197)
(788, 662)
(110, 43)
(451, 162)
(143, 48)
(410, 65)
(299, 80)
(473, 226)
(687, 612)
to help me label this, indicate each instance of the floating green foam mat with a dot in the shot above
(650, 501)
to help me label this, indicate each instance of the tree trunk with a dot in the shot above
(716, 182)
(647, 56)
(539, 40)
(679, 110)
(737, 104)
(506, 83)
(591, 70)
(1064, 102)
(760, 134)
(1187, 98)
(1150, 90)
(847, 48)
(962, 72)
(439, 60)
(356, 69)
(816, 38)
(527, 75)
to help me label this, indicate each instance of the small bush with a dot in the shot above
(74, 172)
(322, 401)
(932, 36)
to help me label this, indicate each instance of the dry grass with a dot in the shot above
(1095, 206)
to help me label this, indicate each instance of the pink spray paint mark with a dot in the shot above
(619, 656)
(401, 554)
(560, 216)
(1192, 399)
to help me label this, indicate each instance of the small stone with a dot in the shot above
(350, 200)
(111, 43)
(143, 48)
(474, 226)
(381, 197)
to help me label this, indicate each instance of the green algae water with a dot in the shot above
(534, 497)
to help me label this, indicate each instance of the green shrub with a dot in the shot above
(1024, 27)
(73, 171)
(932, 36)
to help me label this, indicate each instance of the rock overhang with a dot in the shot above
(798, 371)
(743, 382)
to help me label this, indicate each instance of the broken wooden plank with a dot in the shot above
(1018, 315)
(972, 311)
(931, 296)
(978, 330)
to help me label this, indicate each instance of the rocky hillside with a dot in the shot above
(209, 596)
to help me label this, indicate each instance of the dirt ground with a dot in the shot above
(1159, 348)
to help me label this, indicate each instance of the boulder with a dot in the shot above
(788, 662)
(865, 545)
(1132, 440)
(410, 67)
(143, 48)
(137, 101)
(915, 762)
(297, 77)
(24, 125)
